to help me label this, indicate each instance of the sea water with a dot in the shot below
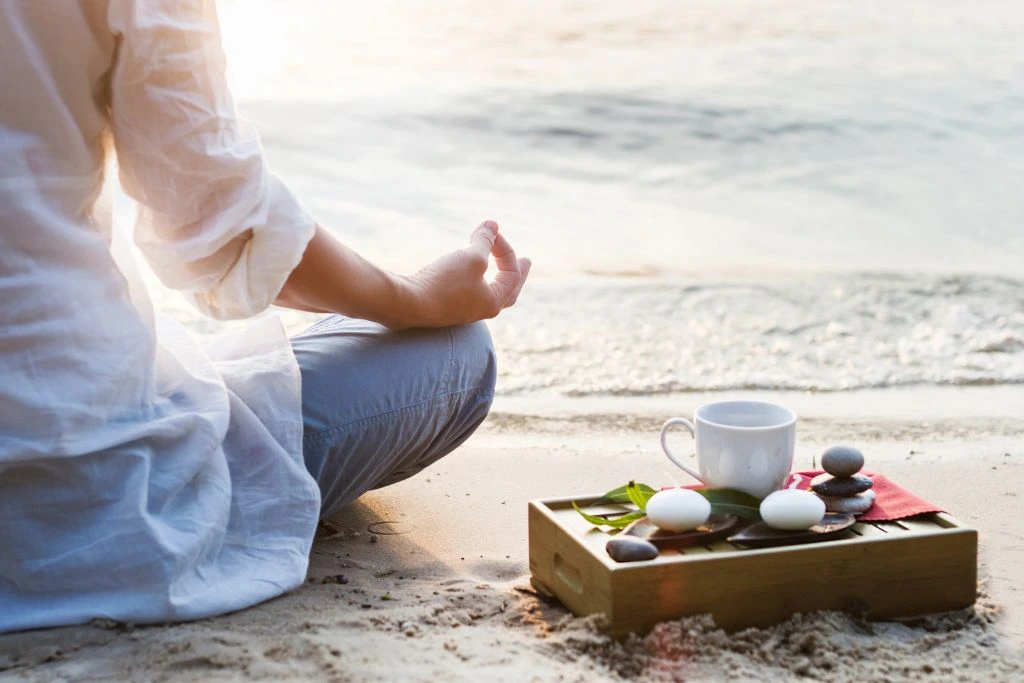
(716, 195)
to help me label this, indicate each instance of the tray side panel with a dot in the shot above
(897, 577)
(565, 566)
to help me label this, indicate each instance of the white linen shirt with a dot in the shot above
(142, 478)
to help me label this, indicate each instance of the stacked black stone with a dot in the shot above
(842, 489)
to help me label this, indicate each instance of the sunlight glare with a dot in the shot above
(256, 35)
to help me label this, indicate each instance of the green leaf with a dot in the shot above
(620, 495)
(616, 523)
(733, 502)
(726, 501)
(638, 496)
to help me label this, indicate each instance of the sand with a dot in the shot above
(429, 580)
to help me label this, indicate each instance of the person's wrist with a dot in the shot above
(407, 303)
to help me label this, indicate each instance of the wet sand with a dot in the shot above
(429, 578)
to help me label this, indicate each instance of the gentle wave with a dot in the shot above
(820, 333)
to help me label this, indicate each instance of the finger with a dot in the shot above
(481, 241)
(504, 254)
(524, 271)
(504, 286)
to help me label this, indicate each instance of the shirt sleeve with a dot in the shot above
(213, 221)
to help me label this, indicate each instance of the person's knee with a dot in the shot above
(474, 354)
(472, 377)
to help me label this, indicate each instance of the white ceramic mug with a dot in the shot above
(745, 445)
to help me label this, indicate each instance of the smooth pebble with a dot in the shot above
(856, 505)
(631, 549)
(827, 485)
(792, 510)
(678, 509)
(842, 461)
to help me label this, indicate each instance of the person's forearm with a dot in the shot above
(331, 278)
(450, 290)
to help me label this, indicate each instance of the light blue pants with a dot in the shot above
(379, 406)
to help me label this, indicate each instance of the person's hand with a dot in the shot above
(452, 290)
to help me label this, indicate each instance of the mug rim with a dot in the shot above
(790, 421)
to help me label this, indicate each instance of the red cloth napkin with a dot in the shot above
(891, 501)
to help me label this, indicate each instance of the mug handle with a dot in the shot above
(664, 443)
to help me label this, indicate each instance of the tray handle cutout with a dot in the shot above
(568, 574)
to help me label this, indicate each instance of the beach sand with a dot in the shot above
(429, 580)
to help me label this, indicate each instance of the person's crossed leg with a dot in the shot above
(378, 406)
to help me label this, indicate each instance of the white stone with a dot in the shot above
(678, 509)
(792, 510)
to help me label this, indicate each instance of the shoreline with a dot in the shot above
(429, 578)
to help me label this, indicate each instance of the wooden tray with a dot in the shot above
(885, 569)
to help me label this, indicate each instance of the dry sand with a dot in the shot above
(428, 579)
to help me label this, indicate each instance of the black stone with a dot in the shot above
(856, 505)
(631, 549)
(827, 485)
(842, 461)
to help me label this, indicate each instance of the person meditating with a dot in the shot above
(145, 478)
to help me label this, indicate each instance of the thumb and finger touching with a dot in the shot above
(512, 272)
(486, 241)
(507, 280)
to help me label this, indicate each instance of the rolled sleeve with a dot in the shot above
(213, 221)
